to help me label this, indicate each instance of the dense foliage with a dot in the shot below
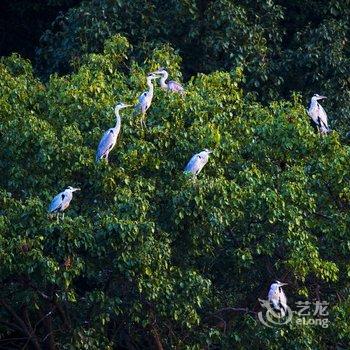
(148, 257)
(284, 46)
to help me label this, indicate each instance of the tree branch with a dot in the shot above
(235, 309)
(12, 325)
(156, 339)
(32, 338)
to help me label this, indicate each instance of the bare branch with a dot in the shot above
(235, 309)
(22, 324)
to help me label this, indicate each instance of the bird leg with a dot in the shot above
(143, 122)
(62, 216)
(57, 217)
(106, 156)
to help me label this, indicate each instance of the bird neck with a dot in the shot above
(150, 85)
(118, 119)
(164, 77)
(314, 103)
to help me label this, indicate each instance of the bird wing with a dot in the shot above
(319, 117)
(142, 96)
(56, 203)
(107, 142)
(313, 113)
(282, 298)
(278, 299)
(272, 292)
(144, 102)
(322, 115)
(174, 86)
(194, 164)
(282, 302)
(275, 304)
(274, 298)
(66, 200)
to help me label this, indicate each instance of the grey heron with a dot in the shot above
(318, 114)
(197, 162)
(171, 84)
(61, 201)
(277, 298)
(109, 138)
(145, 99)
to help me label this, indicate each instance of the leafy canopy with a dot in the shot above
(284, 46)
(147, 255)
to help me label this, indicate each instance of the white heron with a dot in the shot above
(277, 298)
(109, 138)
(61, 201)
(145, 99)
(171, 84)
(197, 162)
(318, 114)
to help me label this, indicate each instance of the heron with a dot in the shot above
(170, 85)
(318, 114)
(61, 201)
(197, 162)
(145, 99)
(277, 298)
(109, 138)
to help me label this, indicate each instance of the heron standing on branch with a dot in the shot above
(197, 162)
(109, 138)
(277, 298)
(145, 99)
(171, 84)
(318, 114)
(61, 201)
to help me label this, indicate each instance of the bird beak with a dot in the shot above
(322, 97)
(283, 284)
(76, 189)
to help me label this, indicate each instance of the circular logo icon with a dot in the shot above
(271, 317)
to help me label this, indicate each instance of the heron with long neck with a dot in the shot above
(171, 85)
(318, 115)
(277, 298)
(109, 138)
(61, 202)
(197, 162)
(145, 99)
